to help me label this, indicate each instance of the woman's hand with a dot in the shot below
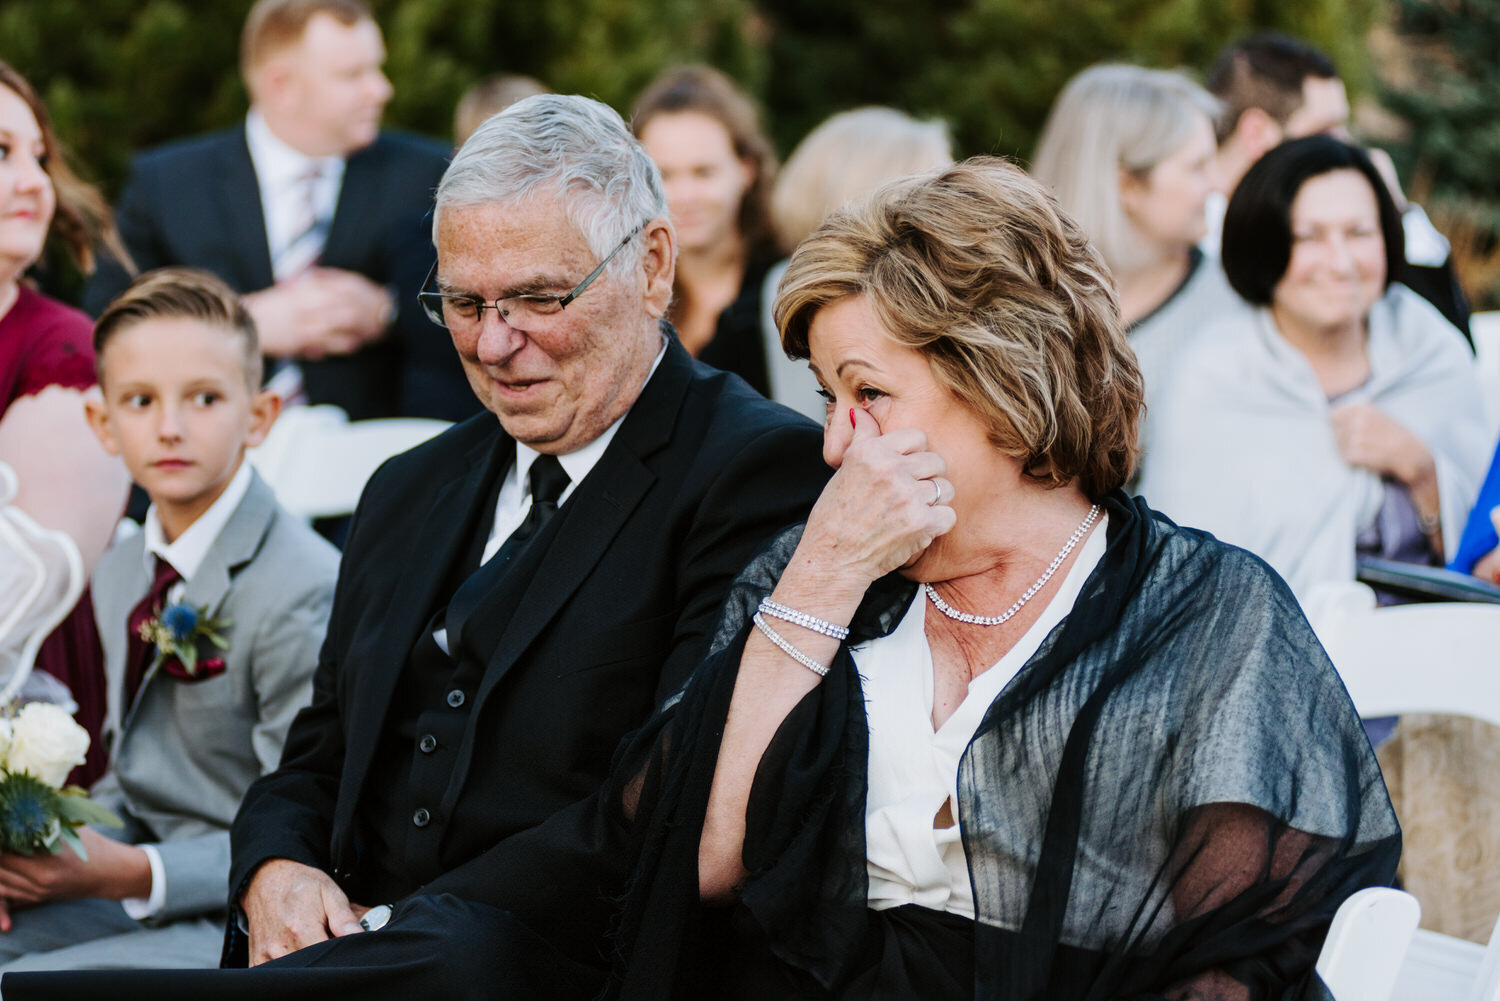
(884, 506)
(1368, 439)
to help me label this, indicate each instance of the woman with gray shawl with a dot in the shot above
(1340, 417)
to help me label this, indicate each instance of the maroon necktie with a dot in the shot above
(138, 653)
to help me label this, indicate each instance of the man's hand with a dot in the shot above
(290, 906)
(114, 871)
(323, 311)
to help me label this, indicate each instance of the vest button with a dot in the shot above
(421, 818)
(455, 698)
(427, 744)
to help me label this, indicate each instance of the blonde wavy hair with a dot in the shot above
(979, 269)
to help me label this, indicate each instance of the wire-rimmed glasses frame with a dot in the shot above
(469, 309)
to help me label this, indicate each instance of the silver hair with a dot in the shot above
(1107, 119)
(569, 147)
(849, 156)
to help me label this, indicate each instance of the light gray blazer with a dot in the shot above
(184, 754)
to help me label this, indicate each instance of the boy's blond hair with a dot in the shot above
(185, 294)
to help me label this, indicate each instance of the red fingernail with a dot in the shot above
(851, 417)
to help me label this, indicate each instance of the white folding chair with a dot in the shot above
(1366, 944)
(1487, 985)
(1441, 968)
(1439, 657)
(319, 462)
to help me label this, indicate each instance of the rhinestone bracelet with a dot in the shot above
(787, 648)
(777, 610)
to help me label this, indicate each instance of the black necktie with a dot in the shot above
(548, 481)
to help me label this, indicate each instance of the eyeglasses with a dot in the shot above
(449, 311)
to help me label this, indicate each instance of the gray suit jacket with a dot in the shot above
(185, 752)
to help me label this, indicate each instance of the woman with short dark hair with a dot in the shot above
(985, 726)
(1338, 418)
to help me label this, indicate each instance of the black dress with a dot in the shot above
(1170, 800)
(738, 345)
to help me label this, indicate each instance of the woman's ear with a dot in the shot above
(1132, 188)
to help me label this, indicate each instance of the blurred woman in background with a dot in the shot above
(1129, 152)
(1339, 417)
(847, 157)
(717, 166)
(64, 481)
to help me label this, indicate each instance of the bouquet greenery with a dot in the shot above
(39, 745)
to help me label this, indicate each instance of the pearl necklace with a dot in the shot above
(1041, 582)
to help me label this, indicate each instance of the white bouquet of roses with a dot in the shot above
(39, 745)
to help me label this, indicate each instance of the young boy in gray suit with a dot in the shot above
(194, 718)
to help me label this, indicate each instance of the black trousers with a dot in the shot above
(433, 947)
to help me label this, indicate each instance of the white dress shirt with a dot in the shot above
(514, 502)
(280, 171)
(913, 770)
(185, 554)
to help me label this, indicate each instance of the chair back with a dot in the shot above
(1440, 657)
(1366, 944)
(318, 461)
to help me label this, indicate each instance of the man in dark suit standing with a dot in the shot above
(312, 212)
(515, 596)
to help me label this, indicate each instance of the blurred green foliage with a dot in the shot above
(120, 75)
(1446, 91)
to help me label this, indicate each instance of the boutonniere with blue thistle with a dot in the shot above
(39, 745)
(178, 632)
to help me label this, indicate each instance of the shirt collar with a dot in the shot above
(187, 552)
(579, 462)
(278, 164)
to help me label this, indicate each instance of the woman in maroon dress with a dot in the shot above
(67, 482)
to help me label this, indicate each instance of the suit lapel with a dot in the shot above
(358, 201)
(242, 210)
(122, 582)
(576, 539)
(452, 519)
(237, 543)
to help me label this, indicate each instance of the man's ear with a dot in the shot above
(265, 407)
(659, 265)
(1257, 133)
(271, 83)
(97, 415)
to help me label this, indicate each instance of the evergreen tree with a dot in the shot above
(1446, 91)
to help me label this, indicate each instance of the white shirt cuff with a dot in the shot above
(141, 908)
(1425, 246)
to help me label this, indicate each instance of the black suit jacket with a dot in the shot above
(606, 614)
(197, 203)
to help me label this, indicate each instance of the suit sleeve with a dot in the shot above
(561, 876)
(285, 643)
(288, 813)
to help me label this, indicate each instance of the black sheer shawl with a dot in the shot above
(1170, 800)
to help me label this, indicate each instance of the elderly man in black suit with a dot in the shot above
(515, 596)
(310, 210)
